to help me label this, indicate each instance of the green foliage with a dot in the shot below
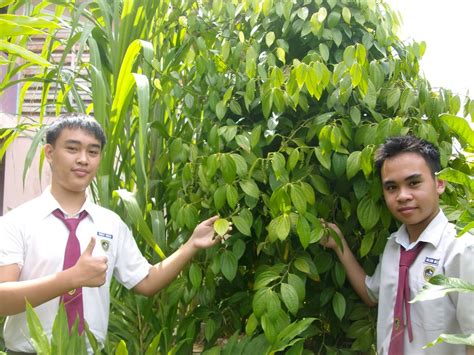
(440, 285)
(462, 339)
(14, 32)
(2, 344)
(62, 341)
(266, 113)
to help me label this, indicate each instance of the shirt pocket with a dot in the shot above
(431, 315)
(105, 247)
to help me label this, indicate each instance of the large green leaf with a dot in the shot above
(30, 21)
(460, 127)
(291, 331)
(60, 334)
(195, 275)
(221, 226)
(38, 336)
(259, 304)
(231, 196)
(24, 53)
(339, 305)
(461, 339)
(393, 97)
(121, 348)
(298, 198)
(457, 177)
(290, 297)
(440, 285)
(304, 231)
(4, 3)
(279, 228)
(250, 188)
(242, 225)
(136, 217)
(273, 304)
(368, 213)
(353, 164)
(228, 265)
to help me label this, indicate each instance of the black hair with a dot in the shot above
(75, 121)
(408, 144)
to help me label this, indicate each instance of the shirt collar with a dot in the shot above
(50, 204)
(432, 233)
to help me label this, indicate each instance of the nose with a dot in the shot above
(404, 194)
(82, 157)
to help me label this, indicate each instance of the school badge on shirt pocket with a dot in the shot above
(105, 244)
(105, 240)
(430, 268)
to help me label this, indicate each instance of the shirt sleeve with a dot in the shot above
(462, 267)
(131, 267)
(372, 283)
(11, 243)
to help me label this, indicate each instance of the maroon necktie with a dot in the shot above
(73, 299)
(407, 257)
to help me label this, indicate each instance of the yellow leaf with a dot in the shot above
(281, 55)
(221, 226)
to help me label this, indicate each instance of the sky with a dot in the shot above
(447, 27)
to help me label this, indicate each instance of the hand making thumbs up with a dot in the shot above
(90, 271)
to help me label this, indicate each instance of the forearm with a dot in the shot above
(38, 291)
(163, 273)
(355, 273)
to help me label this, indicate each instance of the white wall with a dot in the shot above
(15, 192)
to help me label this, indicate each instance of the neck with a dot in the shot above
(70, 201)
(415, 230)
(413, 234)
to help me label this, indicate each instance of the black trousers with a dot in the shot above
(10, 352)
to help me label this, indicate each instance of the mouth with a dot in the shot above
(406, 210)
(80, 172)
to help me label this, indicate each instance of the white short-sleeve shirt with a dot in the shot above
(35, 240)
(452, 314)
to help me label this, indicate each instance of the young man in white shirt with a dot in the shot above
(407, 167)
(33, 242)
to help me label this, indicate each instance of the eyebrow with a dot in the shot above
(408, 178)
(74, 141)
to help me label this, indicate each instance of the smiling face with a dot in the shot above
(411, 192)
(74, 160)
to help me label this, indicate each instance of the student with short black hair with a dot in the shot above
(61, 247)
(424, 245)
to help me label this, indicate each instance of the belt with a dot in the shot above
(11, 352)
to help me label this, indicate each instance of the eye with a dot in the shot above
(414, 183)
(390, 187)
(94, 152)
(71, 148)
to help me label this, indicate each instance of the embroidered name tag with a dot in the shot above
(431, 261)
(105, 235)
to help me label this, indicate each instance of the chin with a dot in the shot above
(78, 189)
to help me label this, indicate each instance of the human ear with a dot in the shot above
(440, 186)
(48, 152)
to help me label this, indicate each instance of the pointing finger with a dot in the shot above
(210, 221)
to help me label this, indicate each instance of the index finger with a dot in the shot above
(210, 221)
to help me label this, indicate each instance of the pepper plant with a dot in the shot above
(267, 113)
